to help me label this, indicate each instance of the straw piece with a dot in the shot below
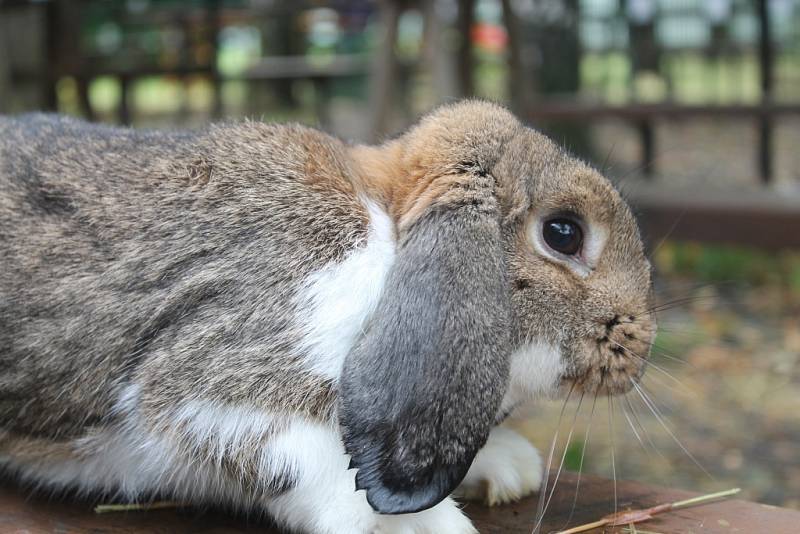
(630, 517)
(583, 528)
(703, 498)
(143, 507)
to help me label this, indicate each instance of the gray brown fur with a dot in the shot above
(157, 257)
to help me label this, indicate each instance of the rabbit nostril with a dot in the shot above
(611, 323)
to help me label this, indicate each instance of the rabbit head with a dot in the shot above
(519, 272)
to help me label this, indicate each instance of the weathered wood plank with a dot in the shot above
(569, 109)
(20, 512)
(596, 499)
(754, 218)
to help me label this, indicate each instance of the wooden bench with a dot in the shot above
(22, 513)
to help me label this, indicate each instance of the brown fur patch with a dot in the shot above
(436, 162)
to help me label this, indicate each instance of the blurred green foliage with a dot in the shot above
(722, 263)
(573, 457)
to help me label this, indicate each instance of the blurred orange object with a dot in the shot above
(491, 37)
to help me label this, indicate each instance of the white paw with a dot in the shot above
(506, 469)
(444, 518)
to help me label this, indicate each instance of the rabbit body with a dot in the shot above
(266, 317)
(151, 308)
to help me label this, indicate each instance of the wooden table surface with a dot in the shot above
(22, 513)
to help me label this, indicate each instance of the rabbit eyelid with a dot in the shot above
(595, 237)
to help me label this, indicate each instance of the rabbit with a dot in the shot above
(332, 334)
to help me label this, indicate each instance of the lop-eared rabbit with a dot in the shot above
(263, 316)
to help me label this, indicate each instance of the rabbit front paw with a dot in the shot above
(506, 469)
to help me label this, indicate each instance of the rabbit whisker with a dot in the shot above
(663, 240)
(698, 286)
(631, 425)
(668, 305)
(664, 306)
(580, 465)
(642, 428)
(677, 327)
(546, 471)
(625, 178)
(604, 167)
(655, 366)
(680, 334)
(563, 458)
(657, 413)
(660, 352)
(680, 391)
(663, 353)
(613, 459)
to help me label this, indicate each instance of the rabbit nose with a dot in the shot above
(611, 323)
(625, 328)
(623, 344)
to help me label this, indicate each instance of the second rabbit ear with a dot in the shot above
(420, 392)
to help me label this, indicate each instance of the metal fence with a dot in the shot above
(556, 62)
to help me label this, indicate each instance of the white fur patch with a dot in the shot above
(506, 469)
(444, 518)
(536, 370)
(324, 499)
(226, 428)
(339, 298)
(124, 462)
(133, 462)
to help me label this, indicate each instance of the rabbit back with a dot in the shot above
(169, 259)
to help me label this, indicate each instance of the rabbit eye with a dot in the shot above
(563, 235)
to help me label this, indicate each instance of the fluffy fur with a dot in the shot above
(227, 315)
(340, 297)
(507, 468)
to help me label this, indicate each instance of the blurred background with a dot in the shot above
(692, 107)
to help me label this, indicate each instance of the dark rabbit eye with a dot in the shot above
(563, 235)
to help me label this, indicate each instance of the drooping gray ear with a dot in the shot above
(420, 392)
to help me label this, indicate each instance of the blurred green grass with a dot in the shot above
(723, 264)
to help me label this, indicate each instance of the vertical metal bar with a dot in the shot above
(466, 16)
(647, 142)
(53, 63)
(83, 97)
(124, 99)
(765, 57)
(384, 72)
(214, 25)
(520, 88)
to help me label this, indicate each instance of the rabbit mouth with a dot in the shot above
(614, 357)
